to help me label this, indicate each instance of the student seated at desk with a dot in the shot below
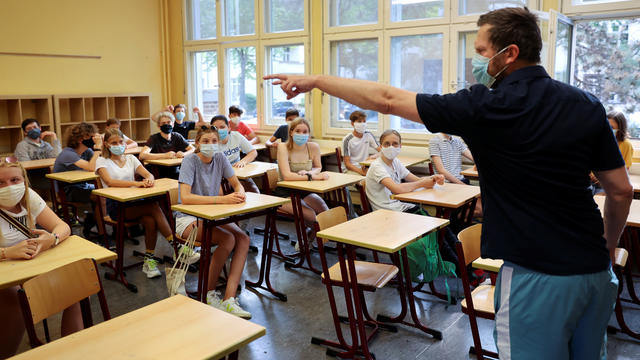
(114, 123)
(235, 113)
(79, 155)
(282, 132)
(299, 160)
(386, 173)
(166, 145)
(618, 123)
(34, 147)
(182, 126)
(446, 153)
(200, 179)
(357, 145)
(119, 170)
(231, 144)
(19, 202)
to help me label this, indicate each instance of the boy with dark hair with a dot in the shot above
(358, 145)
(282, 132)
(33, 146)
(235, 113)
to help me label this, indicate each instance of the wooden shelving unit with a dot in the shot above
(14, 109)
(133, 110)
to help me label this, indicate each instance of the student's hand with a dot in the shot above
(48, 133)
(240, 164)
(321, 176)
(168, 108)
(363, 171)
(374, 156)
(196, 110)
(148, 183)
(44, 241)
(292, 85)
(438, 179)
(171, 154)
(179, 154)
(25, 249)
(272, 144)
(233, 198)
(303, 172)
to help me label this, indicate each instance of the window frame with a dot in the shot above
(328, 29)
(221, 24)
(189, 59)
(456, 18)
(569, 9)
(277, 35)
(225, 77)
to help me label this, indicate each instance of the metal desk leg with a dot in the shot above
(118, 273)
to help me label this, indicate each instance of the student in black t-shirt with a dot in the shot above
(282, 132)
(166, 145)
(181, 125)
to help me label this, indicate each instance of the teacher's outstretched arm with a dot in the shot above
(369, 95)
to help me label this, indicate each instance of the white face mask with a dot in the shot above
(360, 127)
(235, 120)
(391, 152)
(208, 149)
(11, 195)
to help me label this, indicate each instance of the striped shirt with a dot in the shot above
(450, 151)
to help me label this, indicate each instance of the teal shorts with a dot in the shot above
(541, 316)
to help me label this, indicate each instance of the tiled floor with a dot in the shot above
(290, 325)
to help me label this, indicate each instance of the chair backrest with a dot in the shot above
(339, 158)
(331, 217)
(272, 152)
(273, 178)
(173, 194)
(364, 200)
(191, 135)
(470, 239)
(621, 257)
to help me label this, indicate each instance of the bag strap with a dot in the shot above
(17, 224)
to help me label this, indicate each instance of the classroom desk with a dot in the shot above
(37, 164)
(391, 232)
(259, 147)
(334, 188)
(157, 331)
(445, 198)
(405, 160)
(124, 196)
(470, 173)
(327, 151)
(635, 181)
(134, 151)
(164, 163)
(219, 214)
(254, 169)
(15, 272)
(67, 177)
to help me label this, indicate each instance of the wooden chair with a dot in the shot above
(621, 257)
(56, 290)
(479, 302)
(339, 159)
(370, 276)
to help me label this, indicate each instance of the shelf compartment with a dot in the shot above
(38, 109)
(139, 107)
(70, 110)
(10, 112)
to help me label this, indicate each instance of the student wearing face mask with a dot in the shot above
(181, 125)
(618, 123)
(386, 174)
(359, 145)
(235, 113)
(200, 180)
(114, 123)
(33, 146)
(282, 132)
(19, 203)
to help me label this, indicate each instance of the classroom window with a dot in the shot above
(240, 77)
(466, 50)
(607, 54)
(283, 59)
(562, 68)
(356, 59)
(239, 17)
(205, 82)
(404, 10)
(284, 15)
(416, 65)
(353, 12)
(468, 7)
(201, 19)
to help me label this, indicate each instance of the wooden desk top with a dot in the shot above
(165, 162)
(635, 181)
(327, 151)
(74, 176)
(156, 331)
(492, 265)
(405, 160)
(134, 151)
(38, 164)
(254, 169)
(383, 230)
(15, 272)
(253, 202)
(447, 195)
(633, 220)
(336, 181)
(259, 147)
(121, 194)
(471, 173)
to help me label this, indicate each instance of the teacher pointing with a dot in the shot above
(535, 141)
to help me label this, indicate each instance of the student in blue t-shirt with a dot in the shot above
(200, 179)
(282, 132)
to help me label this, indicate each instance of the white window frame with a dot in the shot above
(364, 27)
(454, 37)
(222, 25)
(412, 135)
(388, 24)
(264, 125)
(225, 78)
(190, 74)
(456, 18)
(327, 129)
(555, 18)
(276, 35)
(569, 9)
(185, 25)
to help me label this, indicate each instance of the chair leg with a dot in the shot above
(477, 348)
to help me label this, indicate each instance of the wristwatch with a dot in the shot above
(55, 236)
(310, 177)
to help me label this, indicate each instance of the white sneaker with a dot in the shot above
(231, 306)
(213, 299)
(191, 255)
(150, 267)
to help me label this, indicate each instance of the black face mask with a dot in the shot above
(88, 143)
(166, 128)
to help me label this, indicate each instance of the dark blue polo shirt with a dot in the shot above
(534, 140)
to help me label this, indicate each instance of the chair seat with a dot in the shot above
(107, 219)
(369, 274)
(482, 300)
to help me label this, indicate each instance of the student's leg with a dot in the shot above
(161, 222)
(12, 328)
(316, 204)
(250, 186)
(71, 320)
(307, 213)
(238, 260)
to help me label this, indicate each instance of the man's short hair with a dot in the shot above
(112, 121)
(234, 109)
(26, 122)
(517, 26)
(220, 117)
(291, 112)
(357, 115)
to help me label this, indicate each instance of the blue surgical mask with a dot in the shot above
(479, 66)
(34, 133)
(300, 139)
(208, 149)
(223, 133)
(179, 115)
(117, 149)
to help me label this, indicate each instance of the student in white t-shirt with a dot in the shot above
(357, 145)
(386, 173)
(231, 144)
(119, 170)
(21, 203)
